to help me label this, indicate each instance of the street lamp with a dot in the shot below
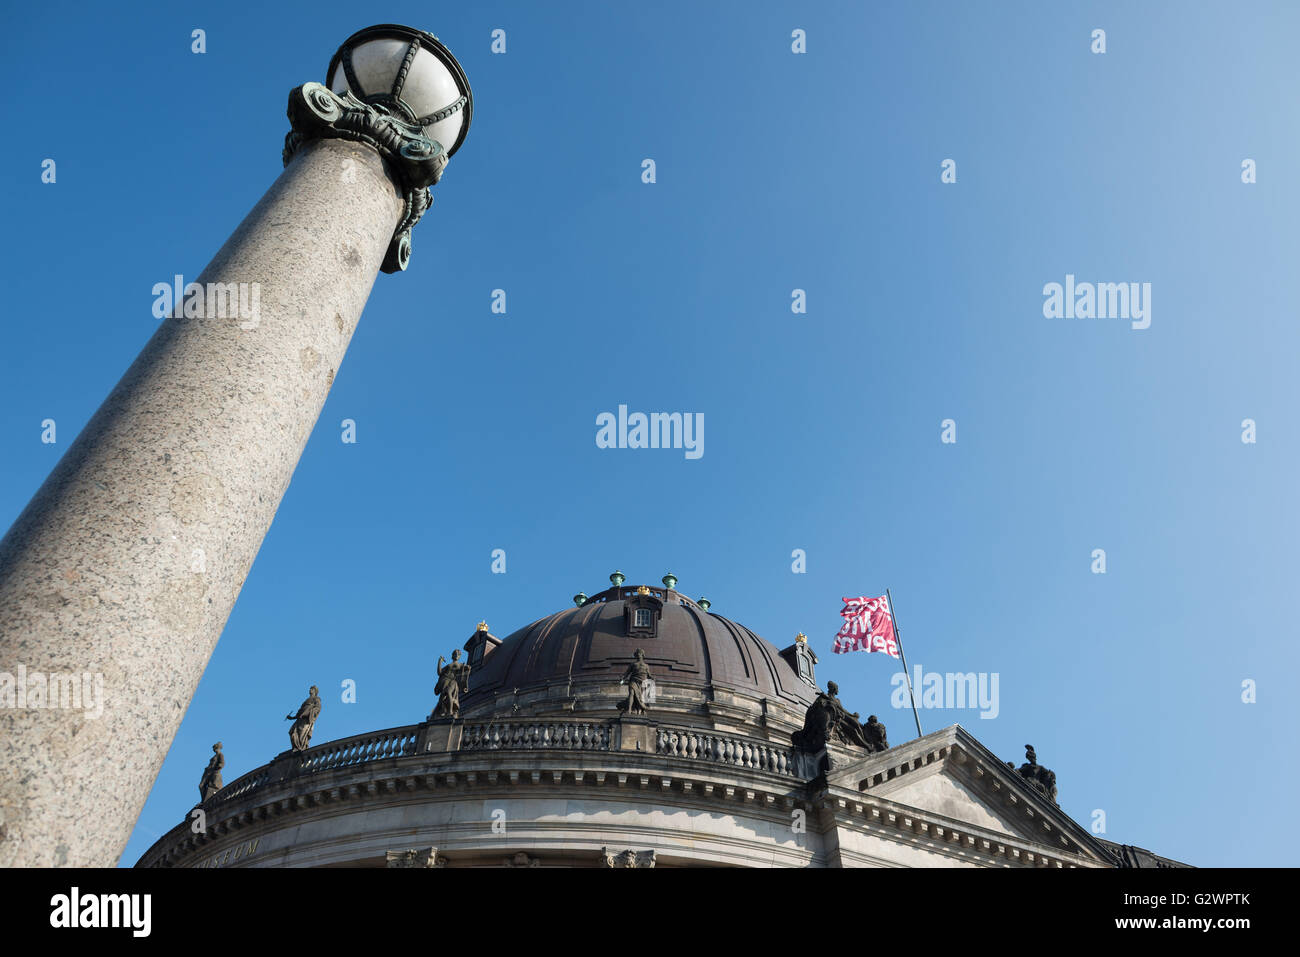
(401, 91)
(128, 560)
(408, 74)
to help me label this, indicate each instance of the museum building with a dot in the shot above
(637, 729)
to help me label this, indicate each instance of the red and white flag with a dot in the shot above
(868, 626)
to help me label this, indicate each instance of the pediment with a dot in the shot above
(949, 775)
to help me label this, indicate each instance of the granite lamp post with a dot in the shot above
(125, 565)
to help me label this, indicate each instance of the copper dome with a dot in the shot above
(690, 651)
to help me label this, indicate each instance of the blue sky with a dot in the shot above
(775, 172)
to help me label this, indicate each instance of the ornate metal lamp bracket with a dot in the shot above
(316, 112)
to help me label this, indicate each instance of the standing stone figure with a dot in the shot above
(210, 783)
(453, 681)
(636, 677)
(304, 721)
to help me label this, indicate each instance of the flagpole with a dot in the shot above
(898, 637)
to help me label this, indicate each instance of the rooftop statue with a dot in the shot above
(453, 681)
(636, 678)
(304, 721)
(1039, 777)
(827, 720)
(875, 732)
(210, 783)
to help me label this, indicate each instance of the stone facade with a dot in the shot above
(941, 800)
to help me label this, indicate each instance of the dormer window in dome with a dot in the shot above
(481, 644)
(802, 659)
(642, 611)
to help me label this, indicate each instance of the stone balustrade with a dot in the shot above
(249, 782)
(360, 749)
(694, 745)
(738, 752)
(534, 735)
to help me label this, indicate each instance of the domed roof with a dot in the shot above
(685, 646)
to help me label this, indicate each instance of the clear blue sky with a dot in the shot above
(775, 171)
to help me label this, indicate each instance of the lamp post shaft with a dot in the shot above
(127, 561)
